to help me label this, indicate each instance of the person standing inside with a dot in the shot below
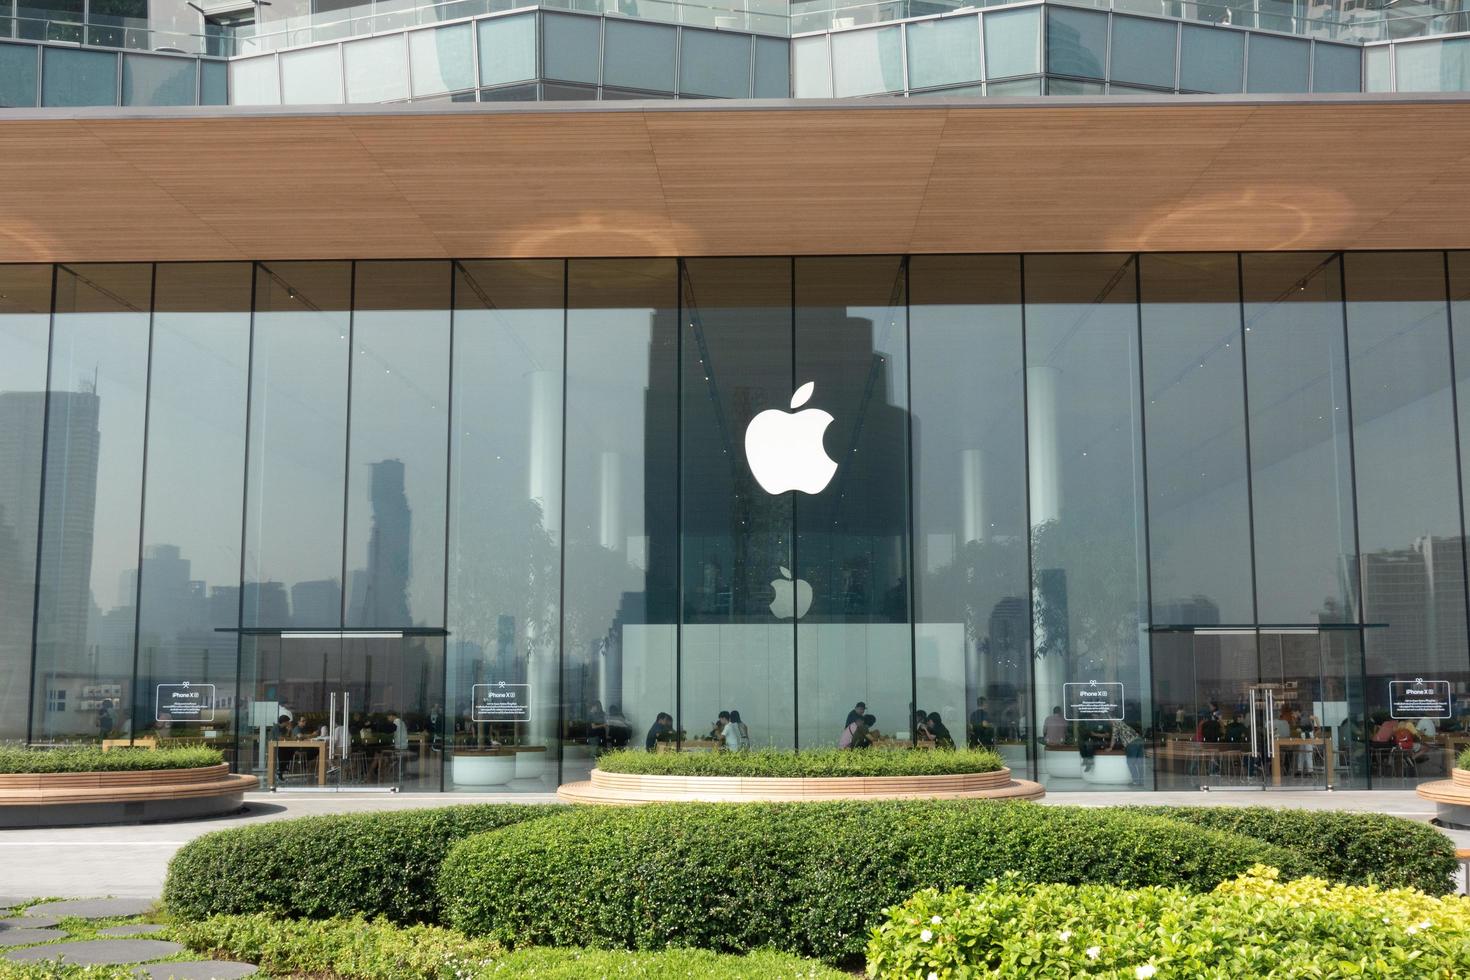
(662, 725)
(104, 718)
(737, 736)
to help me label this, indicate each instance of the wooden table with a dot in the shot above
(319, 744)
(1296, 743)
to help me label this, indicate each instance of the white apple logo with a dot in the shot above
(789, 594)
(785, 449)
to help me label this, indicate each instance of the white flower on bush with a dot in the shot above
(1425, 924)
(933, 975)
(935, 921)
(1145, 971)
(926, 935)
(1064, 935)
(1093, 952)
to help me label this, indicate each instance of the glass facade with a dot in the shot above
(463, 525)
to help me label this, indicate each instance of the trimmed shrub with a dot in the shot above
(18, 759)
(1462, 761)
(359, 949)
(369, 863)
(1254, 926)
(808, 762)
(807, 878)
(1349, 848)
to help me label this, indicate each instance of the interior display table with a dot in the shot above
(319, 745)
(1294, 745)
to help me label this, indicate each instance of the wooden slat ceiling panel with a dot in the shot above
(745, 180)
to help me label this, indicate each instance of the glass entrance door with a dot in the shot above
(1268, 708)
(337, 711)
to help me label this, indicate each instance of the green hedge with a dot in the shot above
(1255, 926)
(1462, 761)
(1349, 848)
(369, 863)
(361, 949)
(807, 878)
(817, 762)
(18, 759)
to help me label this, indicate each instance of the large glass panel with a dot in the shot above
(18, 74)
(212, 84)
(255, 81)
(1194, 417)
(944, 52)
(377, 69)
(85, 617)
(1337, 68)
(190, 574)
(311, 76)
(714, 64)
(619, 603)
(867, 62)
(569, 47)
(1143, 51)
(1211, 60)
(504, 609)
(1433, 66)
(508, 48)
(772, 68)
(75, 77)
(854, 642)
(443, 60)
(973, 634)
(809, 59)
(1086, 506)
(298, 445)
(25, 320)
(149, 80)
(737, 649)
(1377, 68)
(1277, 64)
(1013, 43)
(637, 55)
(1301, 447)
(1076, 42)
(1409, 522)
(396, 455)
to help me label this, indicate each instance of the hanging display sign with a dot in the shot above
(1093, 701)
(184, 702)
(1419, 698)
(501, 701)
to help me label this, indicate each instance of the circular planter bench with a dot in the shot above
(1451, 797)
(58, 799)
(626, 788)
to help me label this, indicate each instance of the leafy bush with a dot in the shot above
(1254, 926)
(368, 863)
(807, 878)
(1462, 761)
(808, 762)
(359, 949)
(19, 759)
(1349, 848)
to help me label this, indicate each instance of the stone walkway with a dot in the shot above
(67, 932)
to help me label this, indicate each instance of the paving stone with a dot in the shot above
(136, 929)
(96, 952)
(29, 922)
(196, 970)
(10, 901)
(94, 908)
(20, 937)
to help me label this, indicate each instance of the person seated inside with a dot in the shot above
(1054, 729)
(1235, 730)
(1406, 739)
(937, 731)
(1384, 736)
(662, 725)
(856, 714)
(1093, 736)
(1210, 730)
(862, 735)
(921, 727)
(717, 730)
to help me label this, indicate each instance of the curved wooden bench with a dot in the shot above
(627, 788)
(1452, 798)
(50, 799)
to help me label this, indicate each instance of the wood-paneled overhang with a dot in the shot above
(737, 178)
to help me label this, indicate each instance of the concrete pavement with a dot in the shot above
(132, 861)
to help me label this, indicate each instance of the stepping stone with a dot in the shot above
(197, 970)
(137, 929)
(29, 922)
(10, 901)
(23, 937)
(95, 908)
(96, 952)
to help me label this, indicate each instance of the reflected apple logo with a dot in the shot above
(784, 449)
(792, 596)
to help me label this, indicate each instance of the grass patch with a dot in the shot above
(807, 763)
(19, 760)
